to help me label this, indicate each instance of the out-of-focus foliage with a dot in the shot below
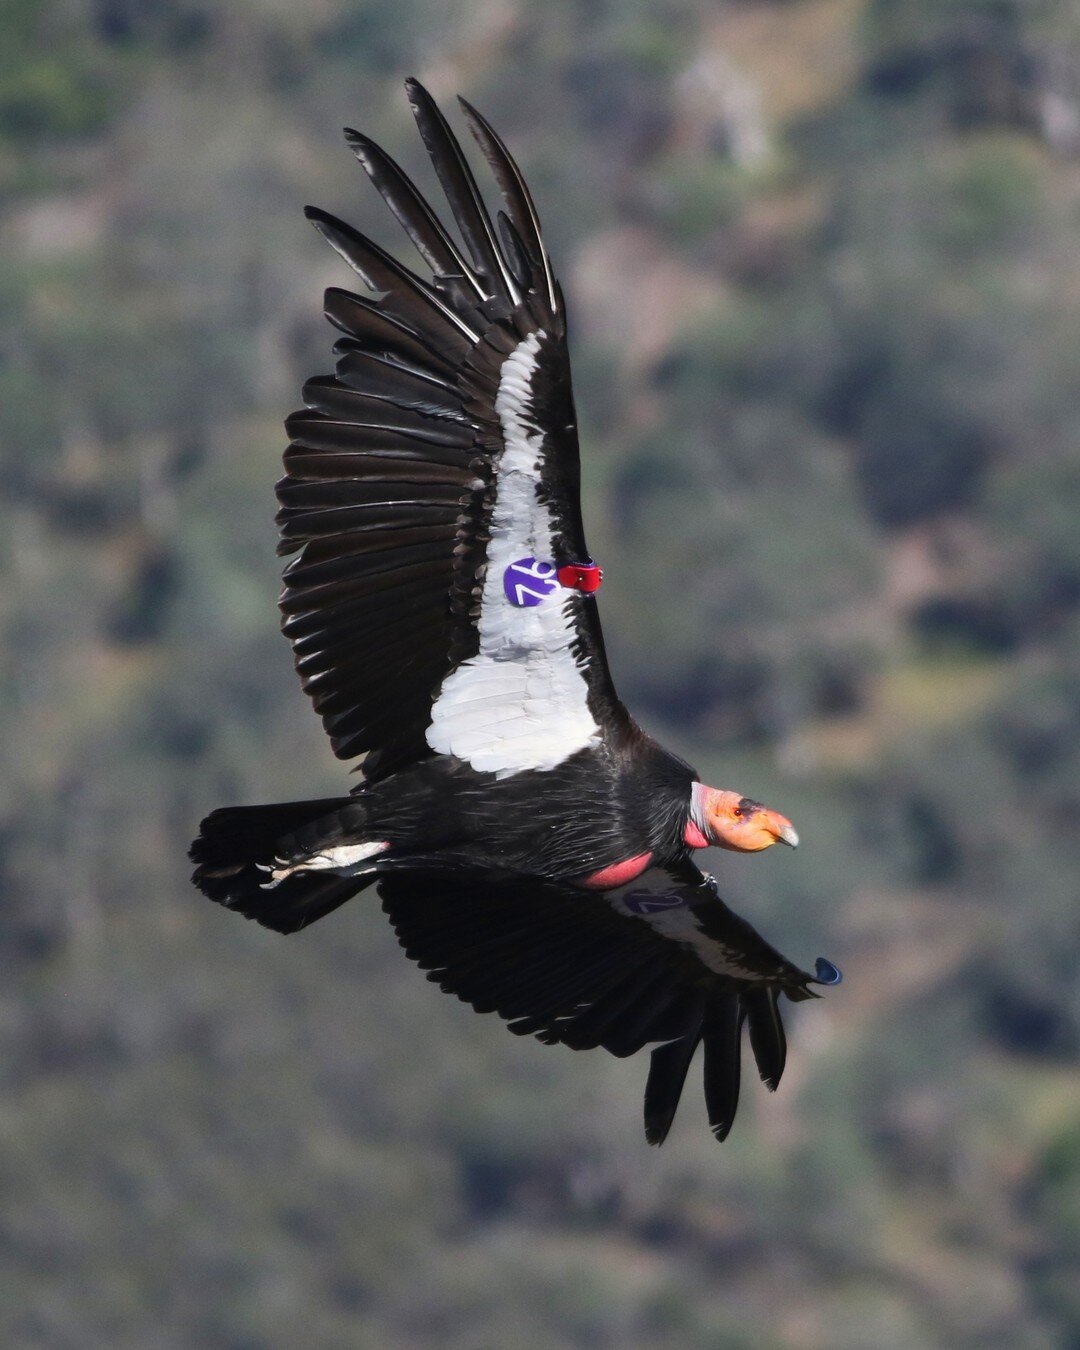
(822, 260)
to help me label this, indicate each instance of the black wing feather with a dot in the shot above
(722, 1034)
(461, 192)
(577, 968)
(408, 297)
(767, 1038)
(668, 1066)
(520, 206)
(414, 214)
(391, 474)
(370, 327)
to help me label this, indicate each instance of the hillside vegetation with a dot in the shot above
(822, 266)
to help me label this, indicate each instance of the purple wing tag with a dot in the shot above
(527, 582)
(648, 902)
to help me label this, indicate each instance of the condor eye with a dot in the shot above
(736, 811)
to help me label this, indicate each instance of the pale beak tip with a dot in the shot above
(788, 836)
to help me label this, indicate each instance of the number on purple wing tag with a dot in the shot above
(648, 902)
(527, 582)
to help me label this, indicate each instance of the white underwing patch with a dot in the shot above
(522, 701)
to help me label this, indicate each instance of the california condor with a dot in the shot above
(531, 844)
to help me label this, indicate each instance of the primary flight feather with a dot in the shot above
(531, 844)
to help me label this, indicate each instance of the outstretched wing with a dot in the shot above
(441, 598)
(661, 959)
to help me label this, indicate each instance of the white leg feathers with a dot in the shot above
(346, 860)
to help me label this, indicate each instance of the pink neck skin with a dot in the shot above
(618, 874)
(693, 837)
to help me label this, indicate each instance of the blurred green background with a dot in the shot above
(823, 265)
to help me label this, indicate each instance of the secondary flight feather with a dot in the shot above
(531, 844)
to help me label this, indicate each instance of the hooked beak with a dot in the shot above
(785, 833)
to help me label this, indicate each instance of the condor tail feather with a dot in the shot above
(246, 859)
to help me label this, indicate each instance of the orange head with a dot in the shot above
(732, 821)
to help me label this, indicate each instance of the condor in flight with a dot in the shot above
(531, 845)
